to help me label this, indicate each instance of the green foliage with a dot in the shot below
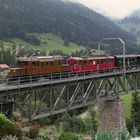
(66, 42)
(8, 127)
(57, 52)
(10, 137)
(68, 136)
(124, 135)
(78, 125)
(6, 56)
(43, 136)
(135, 110)
(73, 124)
(112, 135)
(32, 39)
(105, 136)
(5, 125)
(91, 124)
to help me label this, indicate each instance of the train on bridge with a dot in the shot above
(43, 65)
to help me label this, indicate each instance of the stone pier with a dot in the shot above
(111, 115)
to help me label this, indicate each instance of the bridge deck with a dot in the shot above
(16, 85)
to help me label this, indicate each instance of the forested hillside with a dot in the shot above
(131, 23)
(72, 22)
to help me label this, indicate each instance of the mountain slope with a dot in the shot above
(131, 23)
(72, 22)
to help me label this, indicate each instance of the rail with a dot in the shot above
(17, 81)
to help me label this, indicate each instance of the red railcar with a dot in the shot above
(97, 63)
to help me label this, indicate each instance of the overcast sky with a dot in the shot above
(113, 8)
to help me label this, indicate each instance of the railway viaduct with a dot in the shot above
(46, 97)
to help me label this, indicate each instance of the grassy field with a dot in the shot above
(49, 42)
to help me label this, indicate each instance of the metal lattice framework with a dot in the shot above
(36, 102)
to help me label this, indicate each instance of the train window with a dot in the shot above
(88, 62)
(42, 64)
(85, 62)
(91, 62)
(47, 63)
(59, 62)
(20, 63)
(80, 62)
(33, 63)
(98, 61)
(51, 63)
(77, 62)
(62, 61)
(37, 64)
(25, 63)
(94, 62)
(73, 63)
(101, 61)
(105, 61)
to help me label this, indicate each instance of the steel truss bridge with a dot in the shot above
(40, 98)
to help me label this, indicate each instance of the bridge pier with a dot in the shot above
(111, 115)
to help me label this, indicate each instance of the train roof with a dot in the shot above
(91, 58)
(41, 58)
(4, 66)
(127, 56)
(17, 68)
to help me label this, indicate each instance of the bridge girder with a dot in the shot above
(43, 101)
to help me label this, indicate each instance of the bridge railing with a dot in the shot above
(59, 76)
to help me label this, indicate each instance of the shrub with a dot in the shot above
(91, 124)
(5, 125)
(68, 136)
(34, 130)
(16, 129)
(8, 127)
(109, 135)
(72, 124)
(43, 136)
(124, 135)
(10, 137)
(17, 116)
(112, 135)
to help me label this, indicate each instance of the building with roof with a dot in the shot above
(4, 69)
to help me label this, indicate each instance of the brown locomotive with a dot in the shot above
(38, 65)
